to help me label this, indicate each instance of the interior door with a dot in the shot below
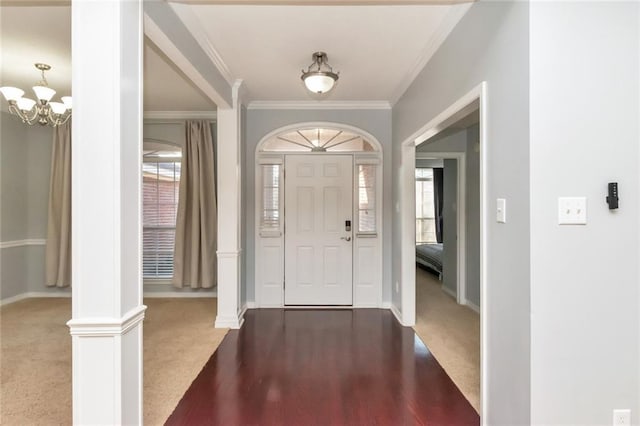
(318, 244)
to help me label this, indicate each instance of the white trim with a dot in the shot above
(102, 327)
(251, 305)
(229, 322)
(461, 218)
(396, 313)
(180, 294)
(22, 243)
(385, 305)
(194, 26)
(451, 19)
(449, 291)
(228, 254)
(374, 157)
(180, 115)
(333, 105)
(476, 98)
(472, 306)
(164, 43)
(36, 294)
(306, 2)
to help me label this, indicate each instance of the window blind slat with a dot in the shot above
(160, 187)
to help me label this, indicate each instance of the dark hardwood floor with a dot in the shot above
(322, 367)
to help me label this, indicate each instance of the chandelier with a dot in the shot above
(41, 111)
(319, 77)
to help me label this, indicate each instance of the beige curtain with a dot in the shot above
(195, 250)
(58, 255)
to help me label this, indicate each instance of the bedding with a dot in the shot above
(430, 255)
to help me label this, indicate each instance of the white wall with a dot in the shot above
(490, 43)
(260, 122)
(584, 279)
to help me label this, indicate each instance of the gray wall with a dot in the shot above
(585, 111)
(169, 131)
(25, 156)
(450, 225)
(261, 122)
(490, 43)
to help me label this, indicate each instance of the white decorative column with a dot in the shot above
(229, 199)
(106, 327)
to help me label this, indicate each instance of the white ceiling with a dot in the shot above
(375, 48)
(32, 34)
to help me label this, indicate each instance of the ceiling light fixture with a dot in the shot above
(319, 77)
(41, 111)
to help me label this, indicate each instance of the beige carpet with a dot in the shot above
(35, 357)
(451, 332)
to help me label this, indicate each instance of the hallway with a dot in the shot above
(321, 367)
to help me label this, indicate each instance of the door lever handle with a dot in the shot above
(346, 238)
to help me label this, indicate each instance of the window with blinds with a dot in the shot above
(160, 186)
(425, 211)
(367, 198)
(270, 218)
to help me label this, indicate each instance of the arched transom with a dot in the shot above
(318, 139)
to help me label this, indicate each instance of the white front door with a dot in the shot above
(318, 247)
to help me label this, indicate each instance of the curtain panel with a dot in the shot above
(58, 251)
(438, 193)
(194, 262)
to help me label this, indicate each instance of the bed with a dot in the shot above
(430, 255)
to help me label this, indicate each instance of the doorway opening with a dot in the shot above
(318, 217)
(475, 100)
(447, 251)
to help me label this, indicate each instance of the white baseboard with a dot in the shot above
(385, 305)
(229, 322)
(33, 294)
(449, 292)
(473, 306)
(180, 294)
(251, 305)
(397, 314)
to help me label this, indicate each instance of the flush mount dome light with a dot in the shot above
(319, 77)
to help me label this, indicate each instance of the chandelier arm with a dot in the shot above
(65, 119)
(13, 109)
(32, 119)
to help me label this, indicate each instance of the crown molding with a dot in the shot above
(447, 25)
(323, 2)
(319, 105)
(180, 115)
(193, 25)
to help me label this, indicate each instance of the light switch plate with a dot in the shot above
(501, 210)
(572, 210)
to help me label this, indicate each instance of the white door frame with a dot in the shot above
(475, 99)
(367, 289)
(461, 222)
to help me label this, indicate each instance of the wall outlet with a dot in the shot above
(572, 210)
(622, 417)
